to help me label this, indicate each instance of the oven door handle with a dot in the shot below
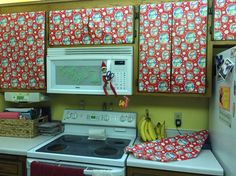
(115, 172)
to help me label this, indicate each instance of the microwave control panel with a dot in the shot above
(121, 75)
(119, 68)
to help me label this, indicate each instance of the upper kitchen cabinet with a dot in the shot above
(22, 37)
(189, 37)
(155, 47)
(224, 20)
(172, 55)
(111, 25)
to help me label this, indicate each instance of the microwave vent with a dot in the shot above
(126, 50)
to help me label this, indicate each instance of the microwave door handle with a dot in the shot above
(108, 65)
(115, 172)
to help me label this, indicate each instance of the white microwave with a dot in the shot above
(80, 70)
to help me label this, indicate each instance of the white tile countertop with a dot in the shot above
(20, 146)
(204, 163)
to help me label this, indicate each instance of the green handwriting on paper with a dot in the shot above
(78, 75)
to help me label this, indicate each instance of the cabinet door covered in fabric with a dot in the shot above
(111, 25)
(22, 37)
(172, 51)
(189, 47)
(224, 19)
(155, 47)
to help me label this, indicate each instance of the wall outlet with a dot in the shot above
(178, 119)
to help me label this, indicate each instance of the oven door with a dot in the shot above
(89, 170)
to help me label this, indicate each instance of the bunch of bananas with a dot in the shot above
(148, 132)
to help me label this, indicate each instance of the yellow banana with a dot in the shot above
(148, 137)
(140, 122)
(142, 130)
(163, 134)
(151, 130)
(158, 130)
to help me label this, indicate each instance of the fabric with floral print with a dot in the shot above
(22, 51)
(111, 25)
(180, 147)
(224, 20)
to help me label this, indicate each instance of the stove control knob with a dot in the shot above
(103, 118)
(122, 118)
(130, 118)
(68, 116)
(106, 118)
(88, 117)
(73, 115)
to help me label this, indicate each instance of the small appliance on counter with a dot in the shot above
(28, 97)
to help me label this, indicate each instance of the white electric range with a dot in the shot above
(92, 140)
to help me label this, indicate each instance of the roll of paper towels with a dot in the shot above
(97, 134)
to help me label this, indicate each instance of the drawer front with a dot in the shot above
(10, 168)
(135, 171)
(12, 165)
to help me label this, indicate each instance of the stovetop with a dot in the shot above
(77, 145)
(74, 147)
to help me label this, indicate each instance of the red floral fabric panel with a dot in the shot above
(189, 47)
(224, 20)
(22, 37)
(112, 25)
(155, 47)
(180, 147)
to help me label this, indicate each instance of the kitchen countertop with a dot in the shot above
(20, 146)
(204, 163)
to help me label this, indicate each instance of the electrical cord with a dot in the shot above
(178, 131)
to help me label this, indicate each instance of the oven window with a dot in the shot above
(78, 75)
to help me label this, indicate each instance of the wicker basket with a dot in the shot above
(21, 127)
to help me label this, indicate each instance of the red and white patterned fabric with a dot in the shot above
(172, 51)
(155, 47)
(189, 47)
(111, 25)
(22, 37)
(180, 147)
(224, 20)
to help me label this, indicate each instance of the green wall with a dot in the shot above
(194, 110)
(1, 102)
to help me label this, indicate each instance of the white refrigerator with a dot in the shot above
(222, 118)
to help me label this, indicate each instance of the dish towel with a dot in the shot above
(102, 173)
(42, 169)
